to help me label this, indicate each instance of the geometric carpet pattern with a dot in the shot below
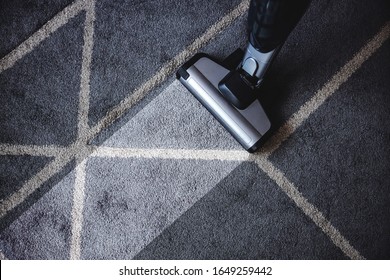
(150, 175)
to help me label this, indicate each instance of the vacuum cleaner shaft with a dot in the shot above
(269, 24)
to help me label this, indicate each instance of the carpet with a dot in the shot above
(104, 155)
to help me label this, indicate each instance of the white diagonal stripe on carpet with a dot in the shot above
(33, 184)
(78, 149)
(168, 68)
(296, 120)
(326, 91)
(309, 209)
(44, 32)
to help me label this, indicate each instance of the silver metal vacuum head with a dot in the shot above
(201, 76)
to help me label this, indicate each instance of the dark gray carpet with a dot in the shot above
(59, 200)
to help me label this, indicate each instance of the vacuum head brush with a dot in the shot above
(202, 76)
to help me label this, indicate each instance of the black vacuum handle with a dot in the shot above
(271, 21)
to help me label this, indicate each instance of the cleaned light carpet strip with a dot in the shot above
(227, 155)
(77, 149)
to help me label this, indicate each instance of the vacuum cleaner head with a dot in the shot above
(202, 76)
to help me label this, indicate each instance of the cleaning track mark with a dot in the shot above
(79, 149)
